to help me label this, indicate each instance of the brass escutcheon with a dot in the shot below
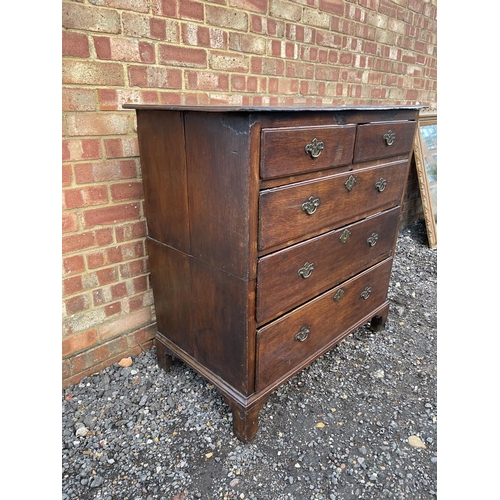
(380, 184)
(349, 183)
(314, 148)
(340, 293)
(310, 205)
(345, 235)
(366, 293)
(302, 334)
(306, 270)
(389, 138)
(372, 240)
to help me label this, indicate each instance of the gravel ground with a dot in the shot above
(359, 423)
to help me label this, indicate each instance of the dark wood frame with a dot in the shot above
(430, 214)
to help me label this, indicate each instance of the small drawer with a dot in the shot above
(383, 140)
(287, 151)
(294, 340)
(295, 212)
(288, 278)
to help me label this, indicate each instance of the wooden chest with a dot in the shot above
(271, 235)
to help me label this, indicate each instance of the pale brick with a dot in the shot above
(86, 18)
(228, 62)
(92, 73)
(312, 17)
(226, 18)
(124, 325)
(78, 99)
(285, 10)
(96, 124)
(247, 43)
(137, 5)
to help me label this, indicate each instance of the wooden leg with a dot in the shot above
(246, 420)
(164, 356)
(377, 323)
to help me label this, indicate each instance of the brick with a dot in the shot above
(79, 342)
(334, 6)
(285, 10)
(74, 264)
(189, 9)
(131, 269)
(124, 324)
(121, 147)
(90, 18)
(114, 99)
(137, 5)
(138, 26)
(84, 197)
(127, 50)
(154, 77)
(86, 173)
(113, 309)
(228, 61)
(142, 335)
(78, 242)
(72, 285)
(193, 34)
(299, 70)
(76, 304)
(226, 18)
(253, 5)
(118, 291)
(182, 56)
(313, 17)
(92, 73)
(95, 260)
(106, 276)
(97, 124)
(67, 175)
(327, 39)
(69, 223)
(110, 215)
(127, 191)
(130, 231)
(206, 80)
(75, 44)
(81, 149)
(74, 99)
(140, 284)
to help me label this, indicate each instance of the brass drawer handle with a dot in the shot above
(345, 235)
(340, 293)
(366, 293)
(380, 184)
(389, 138)
(349, 183)
(314, 148)
(306, 270)
(372, 240)
(310, 205)
(302, 334)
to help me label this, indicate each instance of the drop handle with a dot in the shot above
(366, 293)
(389, 138)
(310, 205)
(314, 148)
(306, 270)
(372, 240)
(381, 184)
(302, 334)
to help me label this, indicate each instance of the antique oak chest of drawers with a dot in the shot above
(271, 235)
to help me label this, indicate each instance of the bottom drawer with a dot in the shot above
(284, 345)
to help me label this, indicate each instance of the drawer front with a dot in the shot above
(382, 140)
(295, 212)
(293, 340)
(288, 278)
(287, 151)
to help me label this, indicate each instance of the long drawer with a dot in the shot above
(287, 151)
(296, 338)
(289, 277)
(295, 212)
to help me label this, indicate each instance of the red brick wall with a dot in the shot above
(257, 52)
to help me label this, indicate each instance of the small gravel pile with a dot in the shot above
(359, 423)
